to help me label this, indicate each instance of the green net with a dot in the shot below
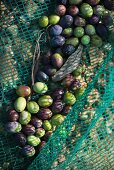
(86, 144)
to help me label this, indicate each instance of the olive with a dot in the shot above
(58, 93)
(41, 145)
(21, 138)
(44, 21)
(57, 41)
(57, 60)
(55, 30)
(79, 21)
(44, 114)
(49, 70)
(68, 49)
(28, 129)
(66, 110)
(85, 40)
(94, 19)
(46, 57)
(86, 10)
(57, 106)
(60, 10)
(66, 21)
(73, 10)
(13, 115)
(28, 151)
(36, 122)
(75, 85)
(67, 32)
(54, 19)
(41, 76)
(67, 81)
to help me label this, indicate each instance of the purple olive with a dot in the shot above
(28, 151)
(49, 70)
(58, 93)
(102, 31)
(107, 20)
(13, 115)
(41, 145)
(28, 129)
(59, 51)
(57, 106)
(41, 76)
(109, 4)
(73, 10)
(93, 2)
(44, 114)
(37, 123)
(21, 138)
(68, 50)
(57, 41)
(57, 60)
(75, 85)
(55, 30)
(60, 10)
(80, 22)
(47, 135)
(66, 110)
(13, 127)
(66, 21)
(46, 57)
(94, 19)
(68, 80)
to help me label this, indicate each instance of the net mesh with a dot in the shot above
(87, 144)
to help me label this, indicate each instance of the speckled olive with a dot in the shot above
(68, 49)
(60, 10)
(55, 30)
(66, 21)
(73, 10)
(57, 41)
(28, 151)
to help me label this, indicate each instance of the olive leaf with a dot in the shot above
(70, 65)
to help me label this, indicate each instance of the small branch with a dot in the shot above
(36, 57)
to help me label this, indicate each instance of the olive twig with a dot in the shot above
(35, 63)
(36, 59)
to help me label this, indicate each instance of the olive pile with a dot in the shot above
(34, 121)
(78, 21)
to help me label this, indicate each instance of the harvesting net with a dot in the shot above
(87, 143)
